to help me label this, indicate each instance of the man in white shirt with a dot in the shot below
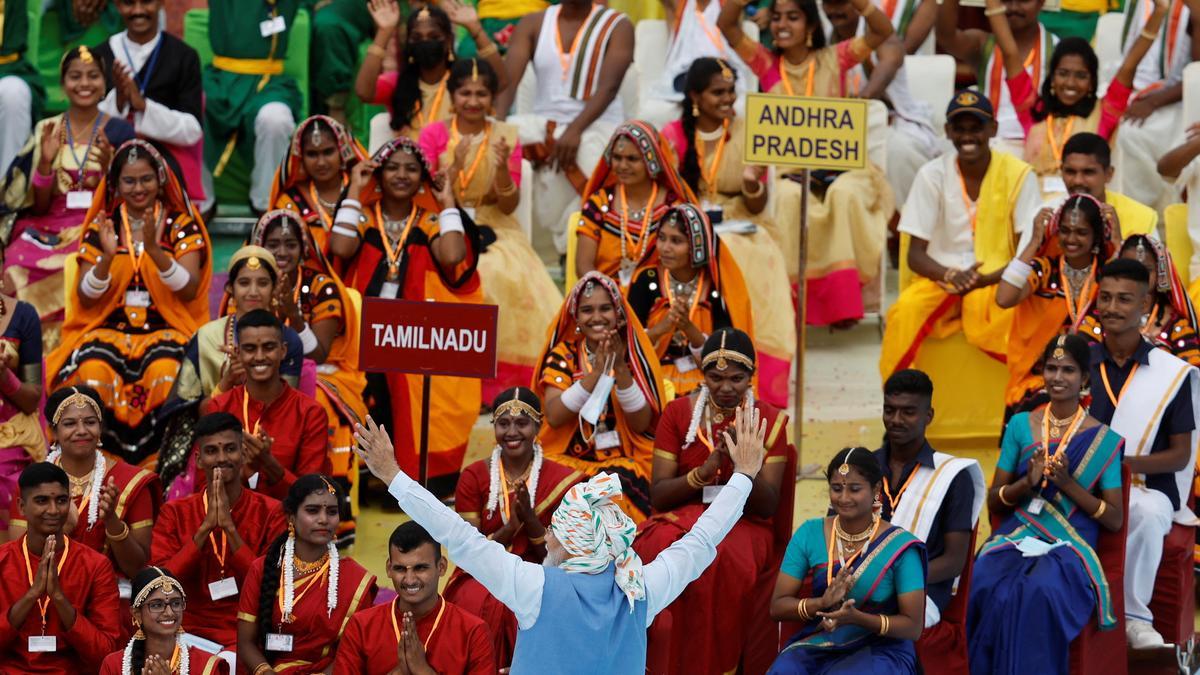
(586, 611)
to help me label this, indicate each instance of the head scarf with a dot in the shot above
(595, 531)
(655, 155)
(291, 170)
(1050, 245)
(172, 195)
(643, 361)
(373, 191)
(1168, 282)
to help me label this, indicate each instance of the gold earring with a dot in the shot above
(695, 110)
(291, 530)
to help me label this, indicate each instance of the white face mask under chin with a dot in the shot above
(598, 400)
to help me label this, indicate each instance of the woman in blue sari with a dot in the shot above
(1038, 580)
(868, 582)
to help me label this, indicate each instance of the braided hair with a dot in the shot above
(699, 77)
(407, 96)
(268, 590)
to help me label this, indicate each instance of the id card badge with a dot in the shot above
(625, 275)
(710, 493)
(685, 364)
(225, 588)
(79, 199)
(606, 440)
(137, 298)
(272, 26)
(43, 643)
(1036, 505)
(279, 642)
(124, 589)
(390, 290)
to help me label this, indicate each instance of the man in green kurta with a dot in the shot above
(340, 27)
(250, 105)
(21, 92)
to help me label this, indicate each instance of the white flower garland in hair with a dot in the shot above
(93, 514)
(185, 661)
(494, 479)
(331, 596)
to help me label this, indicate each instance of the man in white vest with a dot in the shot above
(1150, 398)
(935, 496)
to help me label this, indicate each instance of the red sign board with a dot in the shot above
(428, 338)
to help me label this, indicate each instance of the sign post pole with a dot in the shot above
(801, 321)
(424, 456)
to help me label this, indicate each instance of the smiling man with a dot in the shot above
(965, 214)
(59, 596)
(1087, 167)
(418, 632)
(287, 434)
(210, 539)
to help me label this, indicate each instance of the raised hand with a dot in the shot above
(836, 592)
(376, 451)
(523, 504)
(500, 154)
(233, 372)
(414, 651)
(156, 665)
(108, 238)
(385, 14)
(107, 512)
(461, 14)
(444, 186)
(52, 585)
(51, 142)
(748, 450)
(360, 176)
(1037, 467)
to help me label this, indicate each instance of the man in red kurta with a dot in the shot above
(209, 540)
(428, 633)
(287, 433)
(59, 596)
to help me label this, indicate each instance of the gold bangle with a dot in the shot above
(538, 541)
(375, 50)
(124, 534)
(1004, 501)
(994, 11)
(883, 625)
(1100, 510)
(262, 668)
(692, 481)
(487, 51)
(802, 610)
(1149, 36)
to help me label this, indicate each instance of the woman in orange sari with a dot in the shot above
(315, 175)
(141, 291)
(718, 621)
(602, 387)
(625, 199)
(685, 290)
(402, 237)
(510, 498)
(1171, 324)
(314, 303)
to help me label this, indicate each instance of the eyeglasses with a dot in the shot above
(157, 606)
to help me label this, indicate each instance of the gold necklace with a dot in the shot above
(305, 568)
(81, 484)
(1057, 425)
(846, 536)
(717, 414)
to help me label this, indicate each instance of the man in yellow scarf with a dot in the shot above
(1087, 167)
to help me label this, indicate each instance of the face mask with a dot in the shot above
(429, 53)
(598, 400)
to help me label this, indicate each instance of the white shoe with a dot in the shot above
(1141, 635)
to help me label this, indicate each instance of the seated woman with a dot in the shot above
(315, 175)
(1067, 102)
(510, 498)
(50, 186)
(1057, 482)
(848, 213)
(687, 288)
(113, 504)
(718, 614)
(403, 237)
(297, 598)
(625, 199)
(865, 609)
(1052, 283)
(708, 139)
(158, 646)
(602, 387)
(482, 160)
(144, 269)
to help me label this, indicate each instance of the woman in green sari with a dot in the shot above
(868, 582)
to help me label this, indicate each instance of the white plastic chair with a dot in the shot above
(380, 132)
(650, 43)
(931, 79)
(1191, 93)
(524, 212)
(1108, 46)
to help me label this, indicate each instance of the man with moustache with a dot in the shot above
(210, 539)
(59, 596)
(1152, 399)
(964, 216)
(418, 631)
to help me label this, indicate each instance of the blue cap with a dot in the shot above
(970, 102)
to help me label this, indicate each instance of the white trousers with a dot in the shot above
(909, 148)
(1136, 154)
(1149, 517)
(273, 126)
(15, 102)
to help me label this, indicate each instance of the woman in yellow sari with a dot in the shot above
(848, 212)
(482, 159)
(600, 379)
(315, 175)
(141, 291)
(403, 237)
(625, 199)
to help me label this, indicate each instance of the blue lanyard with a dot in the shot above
(88, 152)
(148, 71)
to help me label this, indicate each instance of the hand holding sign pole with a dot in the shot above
(805, 133)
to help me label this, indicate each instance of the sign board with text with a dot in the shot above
(805, 132)
(428, 338)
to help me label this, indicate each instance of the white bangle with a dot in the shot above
(449, 221)
(308, 339)
(1017, 273)
(93, 287)
(349, 213)
(176, 277)
(631, 398)
(574, 397)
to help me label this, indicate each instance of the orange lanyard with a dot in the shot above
(1116, 400)
(564, 59)
(787, 86)
(393, 255)
(212, 540)
(436, 622)
(299, 589)
(464, 179)
(326, 219)
(176, 655)
(1034, 59)
(1056, 148)
(896, 499)
(714, 34)
(427, 119)
(889, 6)
(971, 206)
(1076, 420)
(1077, 306)
(246, 413)
(43, 603)
(852, 558)
(710, 175)
(640, 243)
(129, 245)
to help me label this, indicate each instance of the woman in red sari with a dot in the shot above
(510, 498)
(721, 620)
(298, 598)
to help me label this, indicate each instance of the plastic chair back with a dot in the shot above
(524, 212)
(569, 275)
(381, 132)
(1191, 93)
(1179, 242)
(931, 79)
(1108, 47)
